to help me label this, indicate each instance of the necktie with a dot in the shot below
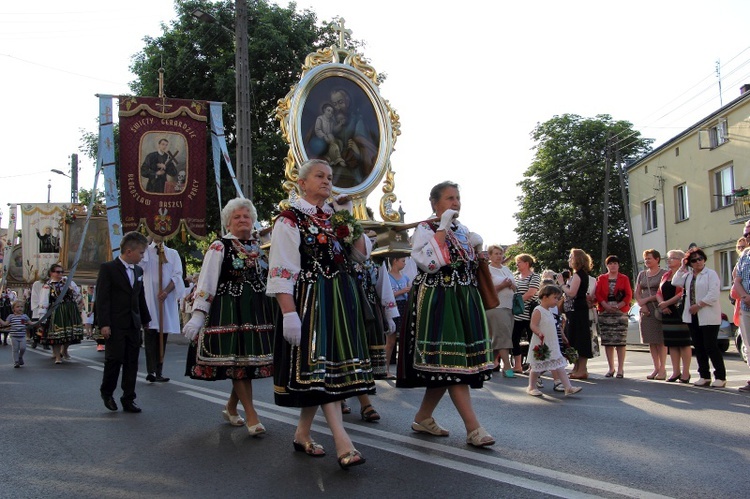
(131, 273)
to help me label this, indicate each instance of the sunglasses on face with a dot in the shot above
(693, 260)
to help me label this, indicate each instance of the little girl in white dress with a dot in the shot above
(545, 335)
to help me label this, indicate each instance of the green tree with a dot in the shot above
(562, 205)
(198, 60)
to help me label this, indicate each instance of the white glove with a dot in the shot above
(391, 325)
(343, 202)
(446, 219)
(475, 240)
(292, 328)
(194, 325)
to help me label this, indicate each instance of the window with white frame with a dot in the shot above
(723, 184)
(681, 203)
(714, 136)
(649, 215)
(727, 261)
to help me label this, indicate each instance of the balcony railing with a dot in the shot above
(741, 206)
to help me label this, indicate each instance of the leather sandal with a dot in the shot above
(370, 415)
(311, 448)
(256, 429)
(234, 419)
(480, 438)
(351, 458)
(345, 409)
(430, 426)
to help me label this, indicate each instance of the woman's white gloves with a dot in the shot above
(343, 202)
(292, 328)
(446, 219)
(391, 325)
(194, 325)
(475, 240)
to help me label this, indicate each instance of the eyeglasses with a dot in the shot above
(673, 258)
(693, 260)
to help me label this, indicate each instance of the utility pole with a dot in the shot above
(74, 178)
(626, 209)
(242, 95)
(605, 220)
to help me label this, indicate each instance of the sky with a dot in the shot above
(469, 85)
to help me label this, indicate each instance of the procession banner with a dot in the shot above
(106, 164)
(219, 147)
(163, 165)
(41, 237)
(8, 245)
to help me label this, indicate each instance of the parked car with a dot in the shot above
(741, 347)
(726, 331)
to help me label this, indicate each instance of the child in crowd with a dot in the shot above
(17, 322)
(543, 325)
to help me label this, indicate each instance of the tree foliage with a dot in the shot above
(562, 205)
(198, 62)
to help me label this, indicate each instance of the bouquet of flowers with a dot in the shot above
(346, 228)
(571, 354)
(541, 351)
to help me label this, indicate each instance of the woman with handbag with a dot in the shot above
(500, 318)
(646, 287)
(676, 332)
(702, 313)
(613, 295)
(445, 346)
(528, 283)
(578, 327)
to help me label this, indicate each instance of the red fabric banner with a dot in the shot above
(163, 165)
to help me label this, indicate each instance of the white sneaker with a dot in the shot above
(702, 382)
(539, 383)
(719, 383)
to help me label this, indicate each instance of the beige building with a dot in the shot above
(689, 190)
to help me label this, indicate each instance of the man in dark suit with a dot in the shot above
(120, 313)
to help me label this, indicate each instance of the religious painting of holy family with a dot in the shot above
(339, 123)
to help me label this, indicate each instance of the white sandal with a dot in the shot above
(480, 438)
(234, 419)
(430, 426)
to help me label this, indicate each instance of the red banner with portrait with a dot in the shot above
(163, 165)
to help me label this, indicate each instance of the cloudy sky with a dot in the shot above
(469, 85)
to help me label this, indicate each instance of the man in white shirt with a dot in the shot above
(162, 299)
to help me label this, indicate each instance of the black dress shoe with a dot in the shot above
(161, 379)
(109, 403)
(130, 407)
(150, 378)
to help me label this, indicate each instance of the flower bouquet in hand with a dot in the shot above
(346, 228)
(571, 354)
(541, 351)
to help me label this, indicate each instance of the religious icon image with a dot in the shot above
(48, 243)
(340, 125)
(164, 163)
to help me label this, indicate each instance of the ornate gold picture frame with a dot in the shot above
(96, 248)
(336, 113)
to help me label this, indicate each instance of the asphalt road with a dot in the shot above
(617, 438)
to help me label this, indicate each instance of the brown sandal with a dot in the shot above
(311, 448)
(351, 458)
(370, 415)
(345, 409)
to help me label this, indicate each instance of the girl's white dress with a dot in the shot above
(556, 359)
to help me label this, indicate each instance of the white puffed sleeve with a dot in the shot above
(284, 261)
(425, 250)
(208, 280)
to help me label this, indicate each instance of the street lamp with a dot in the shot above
(242, 92)
(73, 184)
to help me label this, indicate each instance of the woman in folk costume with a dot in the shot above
(232, 325)
(322, 357)
(445, 344)
(64, 326)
